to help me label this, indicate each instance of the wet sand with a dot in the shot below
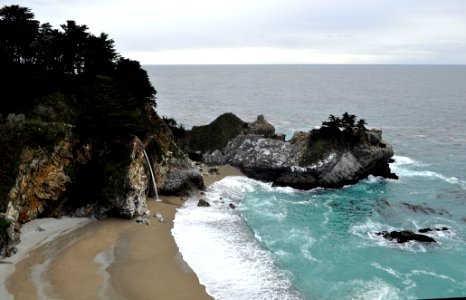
(113, 259)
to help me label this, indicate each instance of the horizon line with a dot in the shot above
(308, 64)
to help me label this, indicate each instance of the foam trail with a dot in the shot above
(228, 245)
(104, 259)
(400, 167)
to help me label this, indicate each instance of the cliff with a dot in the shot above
(75, 120)
(91, 177)
(308, 160)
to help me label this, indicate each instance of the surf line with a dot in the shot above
(152, 176)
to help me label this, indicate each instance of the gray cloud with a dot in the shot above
(395, 31)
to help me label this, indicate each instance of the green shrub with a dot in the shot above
(217, 134)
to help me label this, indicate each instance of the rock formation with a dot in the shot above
(261, 127)
(286, 163)
(405, 236)
(93, 177)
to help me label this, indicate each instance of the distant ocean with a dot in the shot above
(282, 243)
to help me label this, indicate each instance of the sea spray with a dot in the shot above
(152, 176)
(231, 263)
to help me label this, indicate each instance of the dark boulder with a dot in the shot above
(214, 170)
(425, 230)
(405, 236)
(203, 203)
(232, 206)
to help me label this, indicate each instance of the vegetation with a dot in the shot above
(335, 133)
(63, 82)
(69, 73)
(217, 134)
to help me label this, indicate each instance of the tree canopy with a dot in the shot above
(342, 130)
(105, 91)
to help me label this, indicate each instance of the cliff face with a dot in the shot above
(94, 177)
(174, 172)
(40, 182)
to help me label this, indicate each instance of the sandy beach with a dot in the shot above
(108, 259)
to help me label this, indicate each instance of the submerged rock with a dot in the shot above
(425, 230)
(405, 236)
(417, 208)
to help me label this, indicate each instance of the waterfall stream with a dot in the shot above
(152, 176)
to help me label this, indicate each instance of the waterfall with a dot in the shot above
(152, 176)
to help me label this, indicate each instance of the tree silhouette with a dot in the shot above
(99, 54)
(18, 30)
(348, 120)
(361, 125)
(344, 130)
(333, 122)
(73, 45)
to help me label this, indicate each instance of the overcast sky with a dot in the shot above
(271, 31)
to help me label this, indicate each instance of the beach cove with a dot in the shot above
(107, 259)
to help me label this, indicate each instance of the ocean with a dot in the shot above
(282, 243)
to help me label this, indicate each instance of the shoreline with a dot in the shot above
(109, 259)
(32, 239)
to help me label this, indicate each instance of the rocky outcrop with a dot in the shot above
(181, 177)
(215, 135)
(175, 173)
(282, 162)
(125, 179)
(9, 236)
(94, 180)
(41, 181)
(261, 127)
(405, 236)
(428, 229)
(93, 176)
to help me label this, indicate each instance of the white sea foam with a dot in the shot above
(441, 276)
(104, 259)
(373, 289)
(373, 179)
(42, 285)
(402, 167)
(387, 269)
(216, 244)
(403, 161)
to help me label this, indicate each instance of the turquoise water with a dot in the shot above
(282, 243)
